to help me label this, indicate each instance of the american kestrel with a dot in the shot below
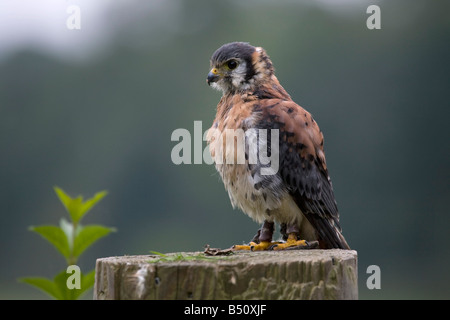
(297, 194)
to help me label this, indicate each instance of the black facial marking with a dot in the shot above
(235, 50)
(267, 62)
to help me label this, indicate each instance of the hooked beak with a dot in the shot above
(213, 76)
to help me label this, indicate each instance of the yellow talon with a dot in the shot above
(290, 242)
(253, 246)
(266, 245)
(243, 247)
(263, 245)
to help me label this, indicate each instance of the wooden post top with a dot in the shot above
(289, 274)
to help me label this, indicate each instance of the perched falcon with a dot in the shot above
(298, 194)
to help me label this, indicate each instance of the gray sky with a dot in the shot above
(41, 24)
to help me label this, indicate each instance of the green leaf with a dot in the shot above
(67, 227)
(90, 203)
(75, 206)
(159, 253)
(57, 288)
(56, 236)
(60, 281)
(87, 282)
(87, 235)
(72, 205)
(47, 286)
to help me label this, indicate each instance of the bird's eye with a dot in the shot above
(232, 64)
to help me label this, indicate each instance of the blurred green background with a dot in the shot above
(94, 109)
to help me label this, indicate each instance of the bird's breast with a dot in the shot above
(232, 142)
(255, 198)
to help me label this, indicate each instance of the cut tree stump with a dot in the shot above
(294, 274)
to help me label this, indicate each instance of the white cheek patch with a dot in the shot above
(216, 86)
(238, 75)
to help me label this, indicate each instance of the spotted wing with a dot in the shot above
(302, 166)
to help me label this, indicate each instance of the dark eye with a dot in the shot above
(232, 64)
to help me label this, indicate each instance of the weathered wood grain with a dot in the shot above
(297, 274)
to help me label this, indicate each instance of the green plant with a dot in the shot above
(70, 239)
(178, 256)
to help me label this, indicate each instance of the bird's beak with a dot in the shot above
(213, 76)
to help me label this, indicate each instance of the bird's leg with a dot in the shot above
(283, 233)
(256, 236)
(292, 240)
(262, 240)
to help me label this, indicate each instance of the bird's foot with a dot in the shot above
(292, 241)
(253, 246)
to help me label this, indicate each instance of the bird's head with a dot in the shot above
(239, 67)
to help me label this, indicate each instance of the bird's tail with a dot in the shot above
(342, 242)
(329, 234)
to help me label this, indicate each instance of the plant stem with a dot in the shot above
(73, 260)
